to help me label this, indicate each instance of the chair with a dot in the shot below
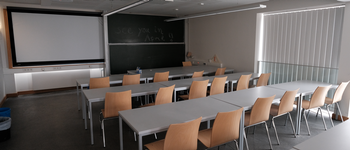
(218, 85)
(198, 74)
(182, 136)
(164, 95)
(285, 107)
(259, 114)
(336, 98)
(220, 71)
(198, 89)
(263, 79)
(114, 102)
(317, 100)
(131, 79)
(243, 82)
(99, 83)
(161, 76)
(186, 63)
(225, 129)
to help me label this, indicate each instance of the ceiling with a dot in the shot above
(155, 7)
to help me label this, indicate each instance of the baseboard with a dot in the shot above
(344, 118)
(3, 101)
(45, 91)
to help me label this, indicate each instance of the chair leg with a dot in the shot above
(324, 123)
(285, 122)
(236, 143)
(135, 136)
(274, 127)
(317, 113)
(341, 116)
(308, 114)
(268, 134)
(307, 125)
(329, 114)
(155, 136)
(254, 129)
(246, 142)
(291, 122)
(103, 133)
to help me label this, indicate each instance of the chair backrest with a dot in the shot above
(339, 92)
(243, 82)
(263, 79)
(165, 95)
(220, 71)
(186, 63)
(131, 79)
(287, 102)
(117, 101)
(182, 136)
(261, 110)
(99, 83)
(218, 85)
(318, 97)
(198, 89)
(226, 127)
(161, 76)
(198, 74)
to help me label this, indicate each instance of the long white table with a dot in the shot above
(335, 138)
(149, 120)
(98, 95)
(306, 88)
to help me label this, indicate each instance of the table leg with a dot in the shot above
(175, 95)
(208, 124)
(298, 117)
(140, 142)
(231, 86)
(91, 126)
(78, 96)
(121, 132)
(241, 131)
(83, 106)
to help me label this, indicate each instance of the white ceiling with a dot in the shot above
(155, 7)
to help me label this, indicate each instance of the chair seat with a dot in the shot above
(184, 97)
(328, 100)
(274, 110)
(150, 104)
(305, 104)
(246, 118)
(205, 136)
(104, 116)
(157, 145)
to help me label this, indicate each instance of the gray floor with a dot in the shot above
(52, 121)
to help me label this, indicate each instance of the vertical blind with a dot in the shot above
(301, 45)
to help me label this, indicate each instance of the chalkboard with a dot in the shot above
(128, 57)
(126, 28)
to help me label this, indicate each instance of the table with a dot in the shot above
(98, 95)
(306, 88)
(335, 138)
(246, 99)
(153, 119)
(234, 77)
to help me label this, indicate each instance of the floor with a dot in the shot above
(52, 121)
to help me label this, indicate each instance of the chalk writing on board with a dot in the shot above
(156, 34)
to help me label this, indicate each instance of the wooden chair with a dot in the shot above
(99, 83)
(243, 82)
(198, 74)
(263, 79)
(131, 79)
(336, 98)
(182, 136)
(225, 129)
(218, 85)
(161, 76)
(186, 63)
(220, 71)
(285, 107)
(164, 95)
(259, 114)
(114, 102)
(317, 100)
(198, 89)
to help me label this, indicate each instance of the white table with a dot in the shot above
(336, 138)
(246, 99)
(98, 95)
(306, 88)
(153, 119)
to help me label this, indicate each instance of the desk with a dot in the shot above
(153, 119)
(246, 99)
(306, 88)
(98, 95)
(335, 138)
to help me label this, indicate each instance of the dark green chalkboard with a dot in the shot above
(127, 28)
(128, 57)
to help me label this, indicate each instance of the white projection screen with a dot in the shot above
(55, 38)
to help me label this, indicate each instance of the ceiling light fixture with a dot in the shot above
(126, 7)
(215, 13)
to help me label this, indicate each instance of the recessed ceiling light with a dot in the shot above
(201, 4)
(176, 9)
